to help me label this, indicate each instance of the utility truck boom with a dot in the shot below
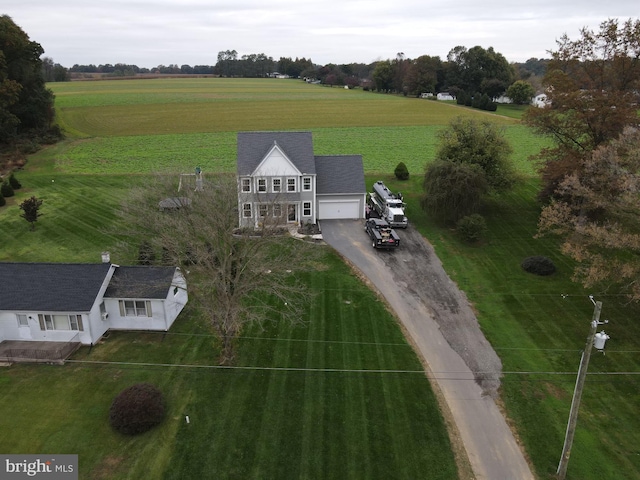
(388, 205)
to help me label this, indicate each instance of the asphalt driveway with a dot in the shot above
(444, 329)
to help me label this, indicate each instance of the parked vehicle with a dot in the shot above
(388, 205)
(381, 234)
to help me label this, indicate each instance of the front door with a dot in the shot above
(292, 213)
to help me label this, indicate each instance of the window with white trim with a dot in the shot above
(246, 210)
(23, 321)
(74, 321)
(291, 184)
(306, 183)
(277, 210)
(262, 210)
(135, 308)
(60, 322)
(306, 209)
(246, 185)
(276, 185)
(262, 185)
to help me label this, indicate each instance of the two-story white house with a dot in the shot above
(280, 178)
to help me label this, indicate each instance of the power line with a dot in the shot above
(336, 370)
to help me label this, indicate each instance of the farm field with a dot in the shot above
(537, 325)
(135, 126)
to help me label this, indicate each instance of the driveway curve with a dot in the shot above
(442, 326)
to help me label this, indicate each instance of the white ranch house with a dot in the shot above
(79, 303)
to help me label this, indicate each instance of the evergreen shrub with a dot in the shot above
(538, 265)
(401, 171)
(471, 227)
(137, 409)
(6, 190)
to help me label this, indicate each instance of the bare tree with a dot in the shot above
(236, 276)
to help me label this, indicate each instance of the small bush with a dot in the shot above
(538, 265)
(137, 409)
(471, 227)
(401, 172)
(13, 181)
(3, 202)
(6, 190)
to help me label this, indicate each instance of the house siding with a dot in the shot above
(165, 308)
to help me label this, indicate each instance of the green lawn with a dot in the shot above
(539, 325)
(325, 418)
(256, 423)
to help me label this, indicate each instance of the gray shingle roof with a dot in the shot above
(140, 282)
(50, 287)
(253, 146)
(340, 174)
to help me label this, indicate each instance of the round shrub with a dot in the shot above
(471, 227)
(13, 181)
(6, 190)
(137, 409)
(538, 265)
(401, 172)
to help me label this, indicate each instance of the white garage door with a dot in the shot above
(333, 209)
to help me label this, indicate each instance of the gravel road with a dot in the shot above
(442, 326)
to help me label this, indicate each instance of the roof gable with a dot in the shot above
(340, 174)
(275, 163)
(254, 147)
(51, 287)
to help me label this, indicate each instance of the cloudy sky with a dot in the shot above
(154, 32)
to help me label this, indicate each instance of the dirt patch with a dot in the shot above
(107, 468)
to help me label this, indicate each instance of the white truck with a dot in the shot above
(388, 205)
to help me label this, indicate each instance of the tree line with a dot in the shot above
(472, 71)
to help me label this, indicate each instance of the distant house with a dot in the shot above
(79, 303)
(280, 177)
(540, 100)
(502, 99)
(445, 96)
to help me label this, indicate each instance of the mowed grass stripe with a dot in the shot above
(382, 148)
(273, 441)
(355, 404)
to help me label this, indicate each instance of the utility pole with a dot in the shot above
(577, 393)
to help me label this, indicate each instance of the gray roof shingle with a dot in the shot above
(50, 287)
(340, 174)
(140, 282)
(253, 146)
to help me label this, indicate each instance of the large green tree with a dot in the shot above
(478, 143)
(479, 70)
(383, 76)
(592, 86)
(520, 92)
(452, 190)
(25, 102)
(422, 75)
